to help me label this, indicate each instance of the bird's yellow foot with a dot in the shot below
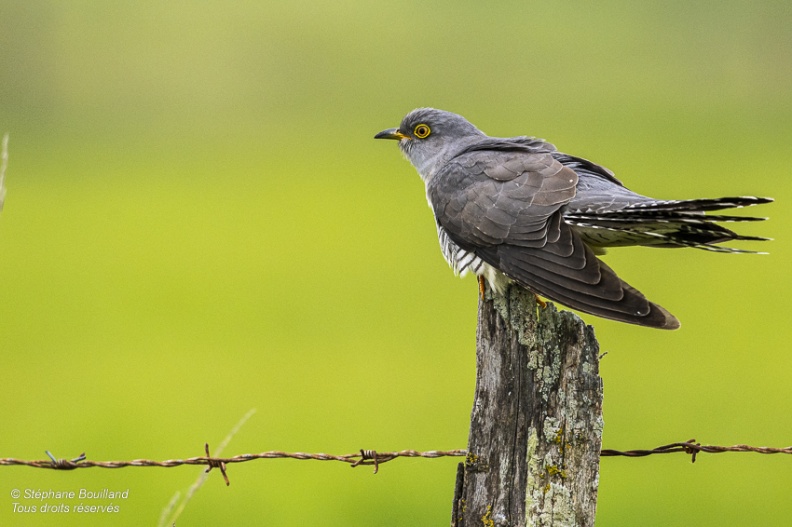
(540, 301)
(481, 286)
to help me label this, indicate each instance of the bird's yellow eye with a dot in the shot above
(422, 131)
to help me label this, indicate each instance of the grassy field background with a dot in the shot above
(198, 223)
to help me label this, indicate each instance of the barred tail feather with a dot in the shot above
(702, 204)
(677, 223)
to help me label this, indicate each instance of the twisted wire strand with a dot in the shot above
(366, 457)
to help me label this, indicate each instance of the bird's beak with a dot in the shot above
(391, 133)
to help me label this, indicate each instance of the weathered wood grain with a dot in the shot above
(536, 424)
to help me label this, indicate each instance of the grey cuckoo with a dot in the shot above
(517, 210)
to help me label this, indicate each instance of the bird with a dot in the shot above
(516, 210)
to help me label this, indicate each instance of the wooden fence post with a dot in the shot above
(536, 424)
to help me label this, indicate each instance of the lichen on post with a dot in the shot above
(536, 424)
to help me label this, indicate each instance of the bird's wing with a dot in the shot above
(586, 168)
(505, 206)
(492, 197)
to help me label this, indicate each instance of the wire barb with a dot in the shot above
(216, 463)
(65, 464)
(370, 457)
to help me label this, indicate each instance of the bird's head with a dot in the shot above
(428, 138)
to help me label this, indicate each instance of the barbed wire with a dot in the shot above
(692, 448)
(362, 457)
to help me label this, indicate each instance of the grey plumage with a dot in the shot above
(516, 209)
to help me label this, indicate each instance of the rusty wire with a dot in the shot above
(692, 448)
(362, 457)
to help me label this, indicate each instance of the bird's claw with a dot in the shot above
(540, 301)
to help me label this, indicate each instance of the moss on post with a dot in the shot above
(536, 424)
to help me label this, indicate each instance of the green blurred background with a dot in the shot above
(198, 223)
